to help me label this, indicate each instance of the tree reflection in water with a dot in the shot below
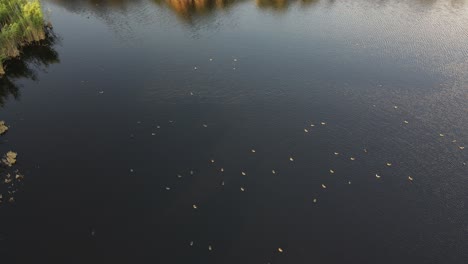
(33, 58)
(188, 9)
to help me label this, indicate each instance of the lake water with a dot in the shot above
(139, 111)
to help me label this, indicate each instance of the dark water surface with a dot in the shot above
(131, 94)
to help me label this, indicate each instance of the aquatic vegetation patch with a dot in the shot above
(10, 158)
(21, 23)
(3, 128)
(10, 177)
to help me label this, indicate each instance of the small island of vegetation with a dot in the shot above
(21, 23)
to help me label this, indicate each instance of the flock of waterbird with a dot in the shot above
(309, 129)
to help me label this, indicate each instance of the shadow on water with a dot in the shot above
(34, 57)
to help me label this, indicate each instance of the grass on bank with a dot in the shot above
(21, 23)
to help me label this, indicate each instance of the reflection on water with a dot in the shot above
(33, 57)
(277, 4)
(186, 9)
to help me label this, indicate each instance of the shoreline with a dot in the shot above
(21, 24)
